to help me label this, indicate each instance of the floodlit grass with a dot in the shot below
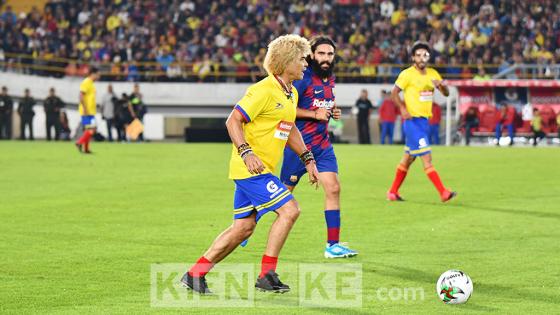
(80, 233)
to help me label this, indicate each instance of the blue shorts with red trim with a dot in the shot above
(88, 121)
(417, 130)
(293, 169)
(261, 193)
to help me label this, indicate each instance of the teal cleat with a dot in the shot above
(339, 250)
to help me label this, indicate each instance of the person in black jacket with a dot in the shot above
(6, 108)
(364, 106)
(26, 113)
(124, 115)
(138, 107)
(53, 104)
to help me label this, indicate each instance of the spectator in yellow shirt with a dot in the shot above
(536, 126)
(113, 22)
(398, 15)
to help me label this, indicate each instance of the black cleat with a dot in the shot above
(79, 146)
(448, 195)
(270, 283)
(197, 284)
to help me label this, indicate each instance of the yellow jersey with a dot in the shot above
(270, 116)
(88, 88)
(418, 90)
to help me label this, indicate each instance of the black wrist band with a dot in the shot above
(306, 157)
(243, 147)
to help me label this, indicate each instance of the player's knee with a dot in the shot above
(291, 212)
(245, 230)
(410, 160)
(333, 189)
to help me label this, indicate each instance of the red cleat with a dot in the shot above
(447, 195)
(394, 197)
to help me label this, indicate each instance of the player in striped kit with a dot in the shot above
(316, 106)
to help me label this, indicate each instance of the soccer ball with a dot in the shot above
(454, 287)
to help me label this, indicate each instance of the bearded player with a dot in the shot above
(316, 106)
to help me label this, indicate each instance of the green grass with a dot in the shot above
(80, 233)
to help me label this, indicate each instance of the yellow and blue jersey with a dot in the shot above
(269, 116)
(88, 88)
(418, 90)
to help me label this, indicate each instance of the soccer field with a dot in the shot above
(80, 233)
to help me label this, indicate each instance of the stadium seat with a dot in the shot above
(524, 129)
(548, 120)
(487, 120)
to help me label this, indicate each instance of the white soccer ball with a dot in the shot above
(454, 287)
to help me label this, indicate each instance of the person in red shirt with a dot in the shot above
(434, 122)
(387, 116)
(505, 118)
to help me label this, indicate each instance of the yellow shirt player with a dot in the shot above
(88, 108)
(418, 84)
(260, 126)
(269, 117)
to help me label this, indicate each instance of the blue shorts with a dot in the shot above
(261, 193)
(293, 169)
(88, 121)
(417, 132)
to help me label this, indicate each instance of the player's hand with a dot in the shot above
(438, 84)
(405, 115)
(322, 114)
(254, 164)
(311, 168)
(336, 113)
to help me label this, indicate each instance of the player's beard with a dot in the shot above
(421, 65)
(317, 69)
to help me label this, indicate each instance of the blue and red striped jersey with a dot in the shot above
(314, 93)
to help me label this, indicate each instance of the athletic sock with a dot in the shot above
(85, 137)
(268, 263)
(333, 226)
(201, 268)
(434, 177)
(402, 170)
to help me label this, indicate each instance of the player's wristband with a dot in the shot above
(245, 153)
(244, 149)
(307, 157)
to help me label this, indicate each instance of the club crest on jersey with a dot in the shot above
(323, 103)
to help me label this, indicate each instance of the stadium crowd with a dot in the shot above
(174, 40)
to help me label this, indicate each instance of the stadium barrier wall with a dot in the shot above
(165, 100)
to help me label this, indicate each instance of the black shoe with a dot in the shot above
(79, 146)
(197, 284)
(270, 283)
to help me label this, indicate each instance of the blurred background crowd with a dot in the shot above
(220, 40)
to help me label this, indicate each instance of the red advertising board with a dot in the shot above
(480, 97)
(542, 97)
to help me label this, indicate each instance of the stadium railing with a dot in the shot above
(152, 71)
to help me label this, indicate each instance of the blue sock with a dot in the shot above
(333, 226)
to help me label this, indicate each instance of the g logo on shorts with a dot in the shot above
(271, 187)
